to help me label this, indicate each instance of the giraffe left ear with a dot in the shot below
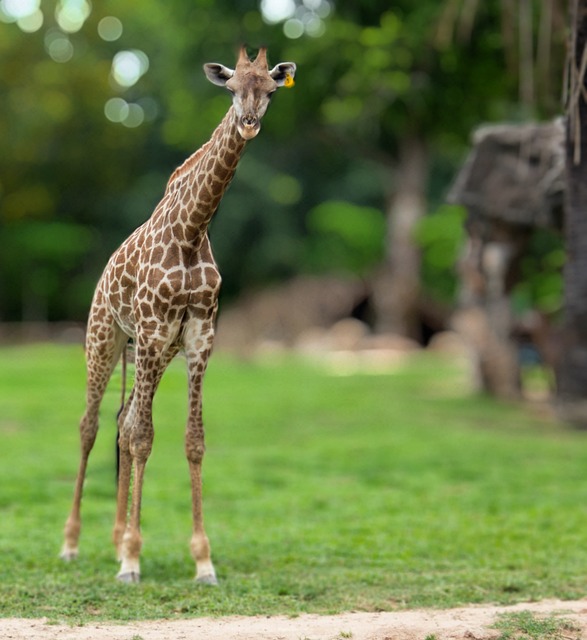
(283, 73)
(218, 73)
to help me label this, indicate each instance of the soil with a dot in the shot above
(468, 623)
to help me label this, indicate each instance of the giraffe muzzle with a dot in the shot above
(249, 126)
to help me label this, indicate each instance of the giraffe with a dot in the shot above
(160, 289)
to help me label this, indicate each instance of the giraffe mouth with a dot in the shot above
(249, 127)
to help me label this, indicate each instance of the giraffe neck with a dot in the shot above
(195, 189)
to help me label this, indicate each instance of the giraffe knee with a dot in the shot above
(88, 429)
(123, 444)
(140, 447)
(195, 450)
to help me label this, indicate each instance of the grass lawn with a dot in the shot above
(321, 493)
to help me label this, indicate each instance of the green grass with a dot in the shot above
(524, 625)
(321, 493)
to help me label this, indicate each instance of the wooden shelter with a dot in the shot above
(511, 183)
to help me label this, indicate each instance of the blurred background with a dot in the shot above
(374, 196)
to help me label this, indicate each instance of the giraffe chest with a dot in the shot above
(159, 289)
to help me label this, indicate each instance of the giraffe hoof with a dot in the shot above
(209, 579)
(68, 554)
(129, 578)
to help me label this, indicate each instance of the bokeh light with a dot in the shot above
(26, 13)
(120, 111)
(275, 11)
(31, 23)
(110, 28)
(71, 14)
(15, 9)
(129, 66)
(293, 28)
(58, 46)
(299, 18)
(116, 109)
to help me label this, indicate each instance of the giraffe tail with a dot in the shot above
(120, 410)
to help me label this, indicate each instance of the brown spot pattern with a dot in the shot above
(160, 288)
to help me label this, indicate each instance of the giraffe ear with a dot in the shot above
(283, 73)
(218, 73)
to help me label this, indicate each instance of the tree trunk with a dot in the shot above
(397, 286)
(571, 372)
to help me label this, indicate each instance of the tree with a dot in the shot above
(572, 366)
(398, 90)
(64, 180)
(92, 149)
(384, 93)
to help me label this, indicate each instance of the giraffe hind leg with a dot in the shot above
(101, 358)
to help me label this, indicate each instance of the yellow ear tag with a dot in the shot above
(288, 83)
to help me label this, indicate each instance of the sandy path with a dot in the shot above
(472, 623)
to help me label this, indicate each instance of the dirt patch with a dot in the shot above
(471, 623)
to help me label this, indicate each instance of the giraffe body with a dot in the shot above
(160, 288)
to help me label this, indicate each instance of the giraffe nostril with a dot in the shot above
(249, 120)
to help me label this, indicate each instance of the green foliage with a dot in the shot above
(323, 500)
(370, 75)
(67, 171)
(441, 235)
(345, 237)
(542, 278)
(53, 251)
(52, 241)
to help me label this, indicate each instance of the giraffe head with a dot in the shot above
(251, 85)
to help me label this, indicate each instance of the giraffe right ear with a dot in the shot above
(218, 73)
(283, 73)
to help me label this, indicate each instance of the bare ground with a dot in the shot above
(468, 623)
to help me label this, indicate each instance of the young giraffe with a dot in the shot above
(160, 288)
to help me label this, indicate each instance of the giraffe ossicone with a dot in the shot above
(160, 289)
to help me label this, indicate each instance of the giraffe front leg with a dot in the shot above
(124, 474)
(136, 442)
(152, 358)
(199, 544)
(195, 447)
(129, 547)
(131, 543)
(122, 498)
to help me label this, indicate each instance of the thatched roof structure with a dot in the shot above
(514, 174)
